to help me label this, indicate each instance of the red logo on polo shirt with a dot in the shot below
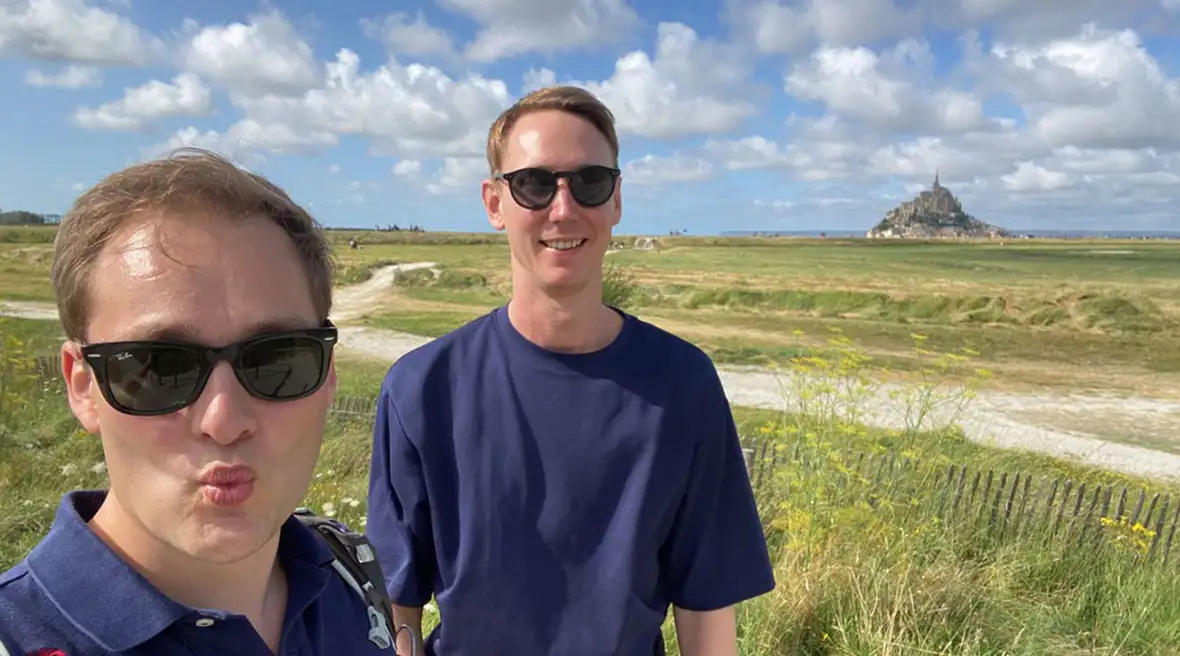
(47, 651)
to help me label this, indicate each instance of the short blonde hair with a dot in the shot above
(190, 179)
(575, 100)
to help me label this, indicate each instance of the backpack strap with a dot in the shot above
(357, 565)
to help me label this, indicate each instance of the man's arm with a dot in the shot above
(708, 632)
(715, 554)
(398, 521)
(411, 617)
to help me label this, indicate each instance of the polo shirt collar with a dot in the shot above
(86, 579)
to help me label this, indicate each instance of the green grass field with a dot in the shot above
(861, 568)
(1079, 315)
(1085, 314)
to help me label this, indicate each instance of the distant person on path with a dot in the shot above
(557, 473)
(195, 301)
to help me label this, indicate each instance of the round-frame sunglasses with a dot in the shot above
(534, 188)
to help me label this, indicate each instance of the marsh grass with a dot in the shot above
(873, 563)
(865, 564)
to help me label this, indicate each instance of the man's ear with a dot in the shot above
(618, 200)
(82, 393)
(492, 204)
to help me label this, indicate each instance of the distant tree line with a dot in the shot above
(24, 217)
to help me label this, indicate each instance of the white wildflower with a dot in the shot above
(68, 469)
(99, 467)
(329, 509)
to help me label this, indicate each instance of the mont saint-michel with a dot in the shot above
(933, 213)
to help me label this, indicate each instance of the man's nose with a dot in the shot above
(563, 201)
(226, 411)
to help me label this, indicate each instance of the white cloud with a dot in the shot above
(70, 77)
(1029, 176)
(655, 171)
(417, 38)
(894, 90)
(265, 56)
(406, 110)
(186, 95)
(70, 31)
(511, 28)
(1098, 88)
(407, 168)
(458, 176)
(1032, 22)
(1057, 109)
(777, 27)
(691, 87)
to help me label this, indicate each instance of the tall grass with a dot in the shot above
(864, 564)
(874, 565)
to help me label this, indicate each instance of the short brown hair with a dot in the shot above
(574, 100)
(189, 179)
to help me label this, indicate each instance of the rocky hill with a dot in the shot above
(933, 213)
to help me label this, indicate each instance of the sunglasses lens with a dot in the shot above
(284, 367)
(533, 188)
(152, 378)
(593, 185)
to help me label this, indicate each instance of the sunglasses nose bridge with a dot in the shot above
(562, 201)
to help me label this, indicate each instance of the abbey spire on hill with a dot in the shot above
(933, 213)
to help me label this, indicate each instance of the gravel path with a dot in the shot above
(995, 418)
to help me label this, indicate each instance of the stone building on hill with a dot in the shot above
(934, 213)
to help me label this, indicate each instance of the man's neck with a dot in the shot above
(255, 587)
(579, 323)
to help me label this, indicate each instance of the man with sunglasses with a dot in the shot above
(195, 299)
(558, 473)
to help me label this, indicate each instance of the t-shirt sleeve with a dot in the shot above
(715, 554)
(398, 520)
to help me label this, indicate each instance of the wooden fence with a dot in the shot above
(1005, 504)
(1009, 503)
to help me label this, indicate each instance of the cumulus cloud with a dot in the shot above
(71, 31)
(692, 86)
(406, 110)
(70, 77)
(140, 107)
(265, 55)
(413, 38)
(893, 90)
(1047, 111)
(779, 27)
(1098, 88)
(510, 28)
(656, 171)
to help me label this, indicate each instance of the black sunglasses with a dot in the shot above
(534, 188)
(158, 377)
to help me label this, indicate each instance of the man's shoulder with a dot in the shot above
(659, 346)
(31, 620)
(472, 338)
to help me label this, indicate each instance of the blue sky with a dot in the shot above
(734, 114)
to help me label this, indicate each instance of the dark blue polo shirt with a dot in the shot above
(557, 503)
(73, 593)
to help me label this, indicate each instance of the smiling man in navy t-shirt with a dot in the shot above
(557, 472)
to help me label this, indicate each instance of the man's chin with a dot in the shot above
(224, 540)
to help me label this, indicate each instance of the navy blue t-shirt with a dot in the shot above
(557, 503)
(75, 594)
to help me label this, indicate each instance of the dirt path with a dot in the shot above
(1067, 426)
